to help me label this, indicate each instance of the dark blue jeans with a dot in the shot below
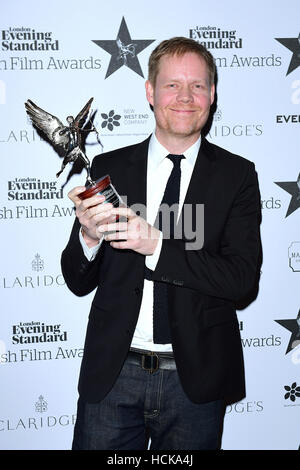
(141, 406)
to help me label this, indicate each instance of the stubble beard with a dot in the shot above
(170, 128)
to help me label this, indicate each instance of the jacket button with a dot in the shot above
(137, 290)
(82, 268)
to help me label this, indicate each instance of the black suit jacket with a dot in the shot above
(204, 285)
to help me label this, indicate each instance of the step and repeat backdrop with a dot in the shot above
(61, 54)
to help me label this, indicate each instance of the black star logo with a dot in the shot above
(293, 44)
(124, 50)
(294, 327)
(293, 188)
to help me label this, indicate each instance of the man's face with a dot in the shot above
(181, 97)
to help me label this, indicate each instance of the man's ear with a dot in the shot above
(212, 94)
(149, 92)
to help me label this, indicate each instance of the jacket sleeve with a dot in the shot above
(230, 271)
(80, 274)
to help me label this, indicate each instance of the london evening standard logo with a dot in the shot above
(213, 37)
(37, 332)
(31, 189)
(217, 39)
(123, 50)
(22, 42)
(40, 418)
(23, 192)
(35, 341)
(27, 39)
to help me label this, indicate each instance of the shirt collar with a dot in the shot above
(157, 152)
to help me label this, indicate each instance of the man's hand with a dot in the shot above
(91, 213)
(136, 234)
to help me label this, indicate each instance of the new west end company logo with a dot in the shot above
(293, 44)
(124, 50)
(110, 120)
(293, 188)
(292, 392)
(130, 117)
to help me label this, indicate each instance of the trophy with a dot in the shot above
(69, 141)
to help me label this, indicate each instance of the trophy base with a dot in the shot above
(104, 187)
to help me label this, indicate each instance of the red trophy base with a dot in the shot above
(104, 187)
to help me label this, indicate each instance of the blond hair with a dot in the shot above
(179, 46)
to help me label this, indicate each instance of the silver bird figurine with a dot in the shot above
(66, 139)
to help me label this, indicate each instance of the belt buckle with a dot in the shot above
(154, 362)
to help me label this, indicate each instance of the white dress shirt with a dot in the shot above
(158, 171)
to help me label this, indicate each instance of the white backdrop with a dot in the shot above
(48, 55)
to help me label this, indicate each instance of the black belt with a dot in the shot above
(151, 361)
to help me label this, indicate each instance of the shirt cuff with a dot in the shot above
(90, 253)
(151, 261)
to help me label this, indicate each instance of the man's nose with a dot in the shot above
(185, 94)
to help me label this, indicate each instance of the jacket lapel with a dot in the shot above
(137, 174)
(201, 176)
(198, 190)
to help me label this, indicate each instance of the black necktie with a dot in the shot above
(161, 329)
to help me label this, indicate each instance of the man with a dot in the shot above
(163, 352)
